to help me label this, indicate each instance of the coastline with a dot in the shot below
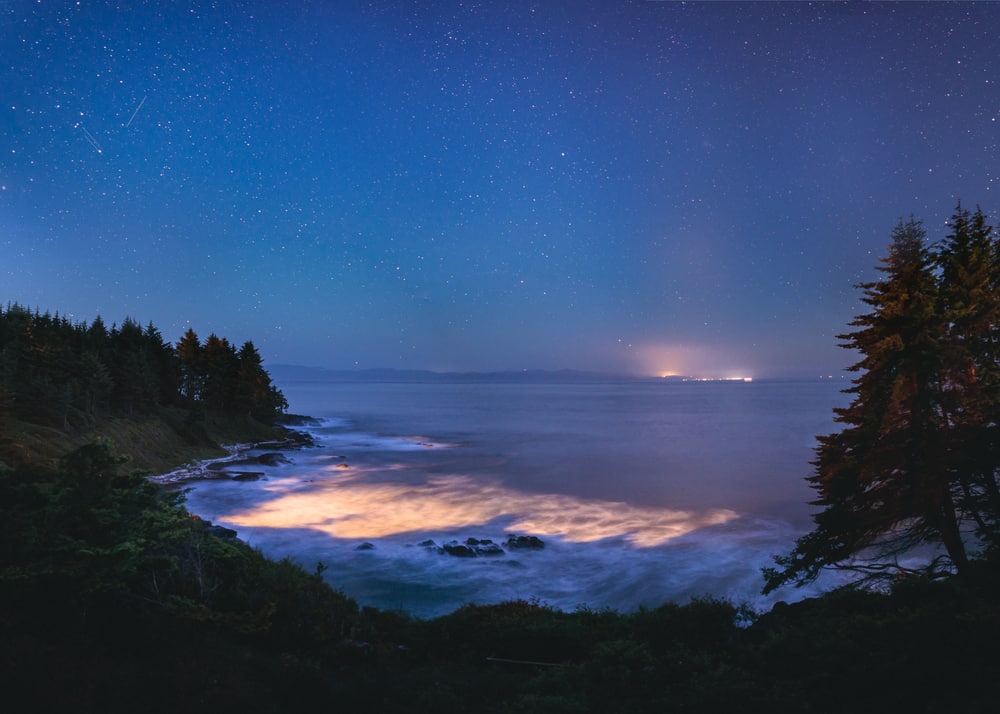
(238, 454)
(201, 469)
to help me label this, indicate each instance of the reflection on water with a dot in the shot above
(349, 507)
(642, 493)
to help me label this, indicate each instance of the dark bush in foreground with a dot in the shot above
(114, 598)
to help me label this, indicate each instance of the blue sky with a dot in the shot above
(644, 187)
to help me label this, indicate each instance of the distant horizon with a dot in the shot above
(709, 374)
(286, 369)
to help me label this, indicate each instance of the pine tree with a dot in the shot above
(165, 364)
(135, 385)
(883, 480)
(970, 271)
(192, 366)
(221, 364)
(97, 383)
(256, 396)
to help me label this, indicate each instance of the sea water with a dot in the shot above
(642, 492)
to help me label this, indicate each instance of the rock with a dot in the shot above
(490, 549)
(524, 542)
(484, 546)
(298, 420)
(211, 474)
(268, 459)
(366, 546)
(471, 548)
(247, 475)
(272, 459)
(458, 550)
(427, 543)
(295, 440)
(301, 440)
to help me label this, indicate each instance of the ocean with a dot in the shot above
(641, 492)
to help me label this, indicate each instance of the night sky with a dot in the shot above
(645, 187)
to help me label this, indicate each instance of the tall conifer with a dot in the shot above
(192, 365)
(970, 305)
(883, 481)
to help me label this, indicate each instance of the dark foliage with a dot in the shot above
(114, 598)
(918, 459)
(62, 374)
(109, 588)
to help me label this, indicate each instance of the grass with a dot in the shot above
(153, 443)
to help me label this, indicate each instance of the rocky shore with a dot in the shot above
(239, 462)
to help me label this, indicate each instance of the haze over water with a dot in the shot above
(643, 491)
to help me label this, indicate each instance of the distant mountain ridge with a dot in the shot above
(299, 373)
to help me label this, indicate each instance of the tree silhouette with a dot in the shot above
(970, 273)
(59, 374)
(886, 481)
(191, 364)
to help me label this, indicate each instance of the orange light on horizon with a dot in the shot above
(692, 362)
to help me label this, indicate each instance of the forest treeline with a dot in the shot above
(65, 374)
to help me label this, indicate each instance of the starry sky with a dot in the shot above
(638, 187)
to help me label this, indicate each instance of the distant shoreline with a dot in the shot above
(299, 373)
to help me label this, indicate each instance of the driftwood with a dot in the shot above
(503, 660)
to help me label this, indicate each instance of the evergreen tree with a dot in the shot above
(165, 364)
(221, 366)
(192, 366)
(97, 383)
(883, 481)
(135, 386)
(256, 396)
(97, 335)
(970, 273)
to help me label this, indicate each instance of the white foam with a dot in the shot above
(660, 500)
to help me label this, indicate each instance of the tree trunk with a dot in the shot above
(950, 534)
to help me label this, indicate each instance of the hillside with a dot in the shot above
(114, 598)
(64, 385)
(153, 443)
